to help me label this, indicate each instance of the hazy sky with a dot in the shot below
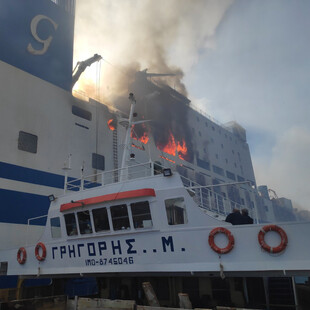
(258, 74)
(243, 60)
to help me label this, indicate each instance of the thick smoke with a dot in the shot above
(164, 36)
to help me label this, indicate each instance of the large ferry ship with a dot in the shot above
(50, 137)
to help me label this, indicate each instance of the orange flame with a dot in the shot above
(182, 150)
(110, 124)
(166, 158)
(138, 147)
(144, 138)
(170, 147)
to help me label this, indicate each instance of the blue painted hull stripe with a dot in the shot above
(33, 176)
(17, 207)
(18, 173)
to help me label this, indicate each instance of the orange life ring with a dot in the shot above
(40, 257)
(21, 256)
(231, 240)
(261, 239)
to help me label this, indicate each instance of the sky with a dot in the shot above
(241, 60)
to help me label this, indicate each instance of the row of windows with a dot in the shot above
(213, 128)
(220, 171)
(117, 217)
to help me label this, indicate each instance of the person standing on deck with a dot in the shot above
(235, 217)
(246, 218)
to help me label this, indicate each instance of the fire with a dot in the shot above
(170, 147)
(140, 133)
(182, 150)
(111, 124)
(166, 158)
(138, 147)
(174, 146)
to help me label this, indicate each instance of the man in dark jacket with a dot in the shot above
(246, 218)
(235, 217)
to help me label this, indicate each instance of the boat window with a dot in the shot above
(27, 142)
(120, 217)
(81, 113)
(55, 227)
(71, 224)
(101, 221)
(98, 161)
(141, 214)
(176, 213)
(84, 222)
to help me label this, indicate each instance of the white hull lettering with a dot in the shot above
(46, 43)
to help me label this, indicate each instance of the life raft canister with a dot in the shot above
(21, 256)
(231, 240)
(40, 247)
(261, 239)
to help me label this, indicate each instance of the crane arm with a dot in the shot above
(81, 66)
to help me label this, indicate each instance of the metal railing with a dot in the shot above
(204, 196)
(208, 199)
(109, 177)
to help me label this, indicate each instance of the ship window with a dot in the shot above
(203, 164)
(84, 222)
(218, 170)
(55, 227)
(176, 213)
(27, 142)
(98, 161)
(230, 175)
(240, 179)
(101, 220)
(81, 113)
(71, 224)
(120, 217)
(141, 214)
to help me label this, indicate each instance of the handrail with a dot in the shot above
(208, 199)
(28, 224)
(112, 176)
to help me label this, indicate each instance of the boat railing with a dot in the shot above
(204, 196)
(29, 233)
(113, 176)
(208, 199)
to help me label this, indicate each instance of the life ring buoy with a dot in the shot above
(21, 256)
(42, 256)
(231, 240)
(261, 239)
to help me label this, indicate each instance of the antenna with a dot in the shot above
(127, 137)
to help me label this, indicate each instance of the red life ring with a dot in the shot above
(40, 257)
(261, 239)
(231, 240)
(21, 256)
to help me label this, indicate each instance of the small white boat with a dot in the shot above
(142, 219)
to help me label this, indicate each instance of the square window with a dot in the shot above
(176, 212)
(27, 142)
(71, 226)
(98, 161)
(101, 221)
(141, 214)
(84, 222)
(120, 217)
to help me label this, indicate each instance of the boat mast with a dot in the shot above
(127, 138)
